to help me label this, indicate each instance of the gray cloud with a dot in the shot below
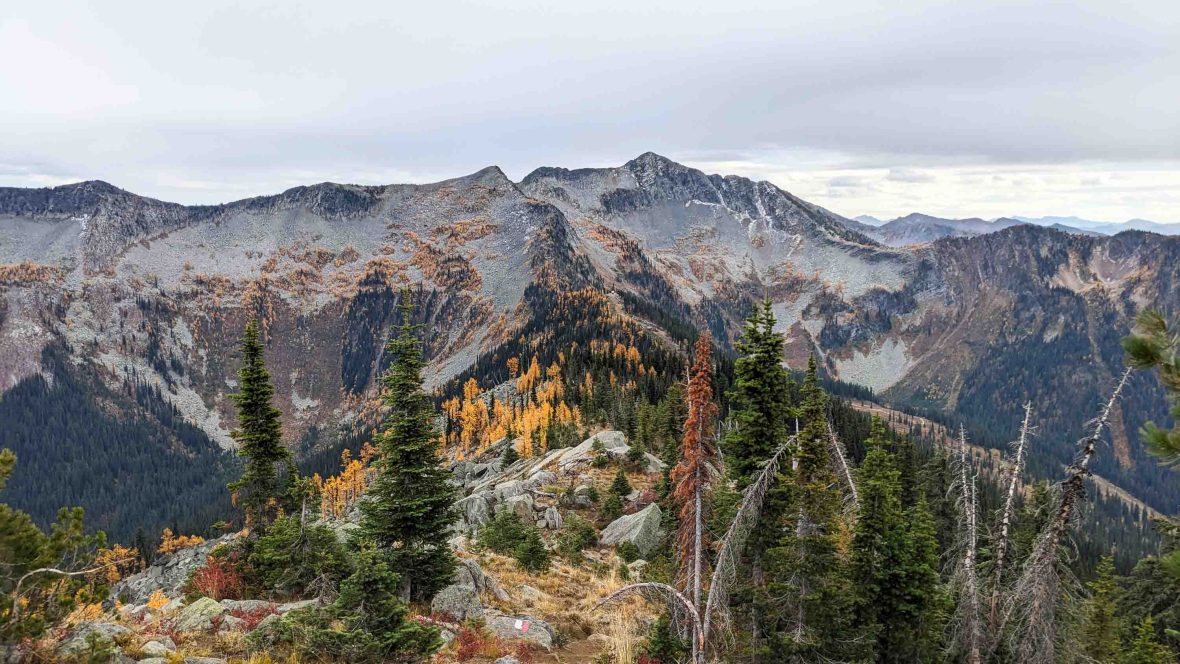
(217, 100)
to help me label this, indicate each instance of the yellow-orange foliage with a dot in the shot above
(170, 542)
(157, 600)
(477, 421)
(114, 562)
(339, 493)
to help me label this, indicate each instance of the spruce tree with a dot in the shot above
(807, 568)
(915, 636)
(511, 456)
(620, 486)
(761, 413)
(260, 490)
(409, 508)
(878, 543)
(1146, 648)
(1099, 637)
(758, 398)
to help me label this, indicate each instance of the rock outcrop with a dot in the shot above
(168, 574)
(641, 529)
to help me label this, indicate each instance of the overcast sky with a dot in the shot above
(950, 108)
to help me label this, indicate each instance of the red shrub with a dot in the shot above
(252, 618)
(524, 652)
(218, 579)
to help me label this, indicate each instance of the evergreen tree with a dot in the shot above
(760, 411)
(410, 505)
(807, 568)
(259, 436)
(1099, 637)
(1146, 649)
(758, 399)
(511, 456)
(367, 623)
(915, 635)
(620, 486)
(879, 548)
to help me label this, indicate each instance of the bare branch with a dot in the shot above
(1033, 604)
(725, 569)
(840, 458)
(53, 570)
(1002, 543)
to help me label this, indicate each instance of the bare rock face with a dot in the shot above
(641, 529)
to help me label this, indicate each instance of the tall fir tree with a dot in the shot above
(808, 569)
(878, 545)
(758, 399)
(261, 490)
(410, 505)
(761, 415)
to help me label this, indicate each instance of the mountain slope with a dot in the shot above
(137, 291)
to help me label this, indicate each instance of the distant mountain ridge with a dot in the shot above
(918, 228)
(114, 291)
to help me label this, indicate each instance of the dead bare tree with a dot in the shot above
(725, 569)
(840, 459)
(1032, 606)
(1002, 543)
(967, 627)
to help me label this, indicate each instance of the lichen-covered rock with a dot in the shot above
(77, 641)
(247, 605)
(507, 660)
(157, 648)
(520, 628)
(551, 519)
(641, 529)
(613, 442)
(521, 506)
(204, 660)
(231, 623)
(198, 616)
(461, 602)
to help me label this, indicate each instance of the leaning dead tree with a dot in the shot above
(1003, 539)
(967, 632)
(703, 623)
(840, 459)
(1031, 608)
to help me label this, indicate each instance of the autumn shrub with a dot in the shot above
(252, 617)
(218, 578)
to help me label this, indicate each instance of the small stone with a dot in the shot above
(291, 606)
(156, 649)
(231, 624)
